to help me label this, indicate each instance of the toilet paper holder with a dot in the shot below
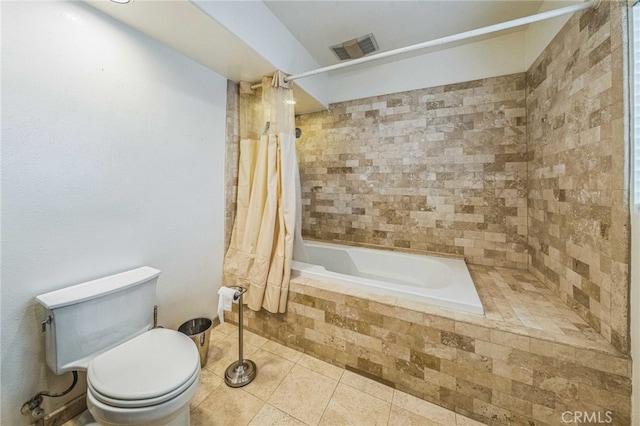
(242, 371)
(239, 291)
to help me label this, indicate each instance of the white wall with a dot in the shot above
(492, 57)
(112, 158)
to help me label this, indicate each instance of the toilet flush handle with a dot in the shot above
(46, 321)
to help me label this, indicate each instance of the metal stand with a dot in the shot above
(243, 371)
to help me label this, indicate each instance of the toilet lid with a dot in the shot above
(145, 370)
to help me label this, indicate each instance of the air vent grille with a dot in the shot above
(340, 52)
(355, 48)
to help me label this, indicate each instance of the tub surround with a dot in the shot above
(578, 181)
(526, 362)
(455, 169)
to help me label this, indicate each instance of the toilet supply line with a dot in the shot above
(33, 405)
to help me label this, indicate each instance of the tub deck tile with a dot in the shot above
(514, 302)
(528, 359)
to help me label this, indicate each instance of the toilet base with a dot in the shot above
(181, 418)
(86, 419)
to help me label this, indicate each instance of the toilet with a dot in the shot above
(136, 375)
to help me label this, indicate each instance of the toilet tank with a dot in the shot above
(87, 319)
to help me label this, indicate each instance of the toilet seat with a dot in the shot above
(140, 403)
(148, 370)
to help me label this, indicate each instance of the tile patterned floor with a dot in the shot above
(292, 388)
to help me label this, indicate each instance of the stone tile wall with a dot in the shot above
(494, 376)
(232, 148)
(441, 169)
(578, 170)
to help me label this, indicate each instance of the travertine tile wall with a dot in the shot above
(441, 169)
(232, 147)
(578, 191)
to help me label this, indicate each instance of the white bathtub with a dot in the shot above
(436, 280)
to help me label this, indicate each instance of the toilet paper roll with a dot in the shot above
(227, 296)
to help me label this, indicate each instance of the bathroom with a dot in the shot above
(95, 183)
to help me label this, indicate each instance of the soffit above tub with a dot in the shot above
(184, 27)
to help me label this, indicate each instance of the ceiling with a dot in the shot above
(320, 24)
(317, 25)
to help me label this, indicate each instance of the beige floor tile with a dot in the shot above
(226, 406)
(303, 394)
(271, 416)
(368, 386)
(423, 408)
(281, 350)
(271, 371)
(401, 417)
(466, 421)
(321, 367)
(253, 338)
(349, 406)
(226, 328)
(209, 382)
(216, 337)
(224, 353)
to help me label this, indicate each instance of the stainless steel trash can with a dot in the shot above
(199, 329)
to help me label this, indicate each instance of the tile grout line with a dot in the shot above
(283, 377)
(208, 395)
(330, 398)
(260, 409)
(390, 407)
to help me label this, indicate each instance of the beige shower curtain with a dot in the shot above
(260, 253)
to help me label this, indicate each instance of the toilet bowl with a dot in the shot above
(136, 374)
(148, 380)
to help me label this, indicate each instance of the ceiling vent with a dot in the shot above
(356, 48)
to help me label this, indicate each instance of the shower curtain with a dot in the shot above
(268, 206)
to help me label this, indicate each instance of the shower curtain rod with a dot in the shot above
(450, 39)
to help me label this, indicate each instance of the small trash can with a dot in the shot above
(199, 329)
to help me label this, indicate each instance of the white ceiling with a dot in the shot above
(320, 24)
(316, 24)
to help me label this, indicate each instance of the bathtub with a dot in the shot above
(438, 281)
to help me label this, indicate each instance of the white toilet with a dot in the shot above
(136, 375)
